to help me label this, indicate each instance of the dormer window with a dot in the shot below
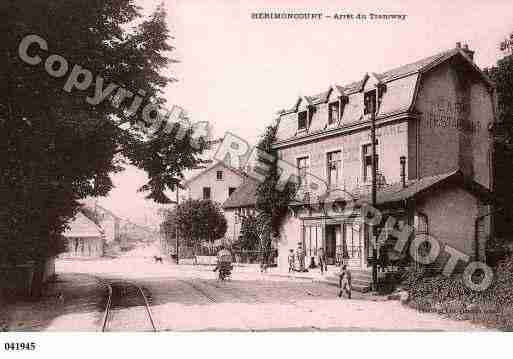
(369, 101)
(302, 120)
(333, 112)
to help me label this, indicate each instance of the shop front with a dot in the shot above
(342, 239)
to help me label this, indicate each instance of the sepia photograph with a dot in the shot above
(227, 167)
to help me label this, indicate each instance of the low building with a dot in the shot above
(106, 219)
(84, 238)
(240, 204)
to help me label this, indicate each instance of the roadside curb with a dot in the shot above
(313, 279)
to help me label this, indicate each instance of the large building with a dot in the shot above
(435, 113)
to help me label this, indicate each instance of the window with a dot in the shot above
(367, 162)
(206, 192)
(333, 112)
(311, 240)
(219, 175)
(369, 100)
(302, 170)
(420, 223)
(302, 120)
(334, 165)
(231, 190)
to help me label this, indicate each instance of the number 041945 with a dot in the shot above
(20, 346)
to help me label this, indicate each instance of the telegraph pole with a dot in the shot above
(373, 240)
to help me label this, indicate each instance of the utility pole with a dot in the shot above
(176, 223)
(373, 240)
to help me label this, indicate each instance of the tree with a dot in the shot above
(502, 75)
(55, 147)
(272, 203)
(197, 221)
(249, 238)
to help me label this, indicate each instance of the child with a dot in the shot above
(345, 281)
(292, 263)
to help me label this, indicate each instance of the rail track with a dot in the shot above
(211, 299)
(125, 295)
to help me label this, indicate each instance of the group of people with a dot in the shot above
(224, 266)
(344, 274)
(300, 257)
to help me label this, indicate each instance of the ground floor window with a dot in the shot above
(312, 240)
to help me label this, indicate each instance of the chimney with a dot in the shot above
(402, 160)
(468, 52)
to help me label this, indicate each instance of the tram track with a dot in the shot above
(211, 299)
(123, 296)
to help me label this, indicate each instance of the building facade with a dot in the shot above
(241, 203)
(215, 183)
(435, 114)
(84, 238)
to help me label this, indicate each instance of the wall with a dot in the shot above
(481, 112)
(110, 227)
(218, 189)
(437, 143)
(289, 240)
(443, 144)
(392, 143)
(233, 226)
(234, 223)
(92, 247)
(451, 214)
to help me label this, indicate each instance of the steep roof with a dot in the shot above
(418, 188)
(215, 164)
(81, 226)
(401, 71)
(400, 85)
(244, 196)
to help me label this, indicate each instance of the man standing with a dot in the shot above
(345, 281)
(321, 258)
(292, 261)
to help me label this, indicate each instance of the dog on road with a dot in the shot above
(158, 259)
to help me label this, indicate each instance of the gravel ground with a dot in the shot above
(79, 309)
(189, 298)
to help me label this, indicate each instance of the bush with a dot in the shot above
(449, 295)
(197, 221)
(496, 251)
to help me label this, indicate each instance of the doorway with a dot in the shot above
(332, 237)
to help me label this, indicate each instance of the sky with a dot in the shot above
(236, 72)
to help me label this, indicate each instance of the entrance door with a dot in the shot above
(312, 241)
(353, 245)
(331, 243)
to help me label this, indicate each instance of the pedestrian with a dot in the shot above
(345, 281)
(301, 258)
(292, 261)
(263, 263)
(321, 258)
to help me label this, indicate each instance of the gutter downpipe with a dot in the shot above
(476, 232)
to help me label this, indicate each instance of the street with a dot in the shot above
(189, 298)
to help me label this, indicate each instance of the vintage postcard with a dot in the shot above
(255, 166)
